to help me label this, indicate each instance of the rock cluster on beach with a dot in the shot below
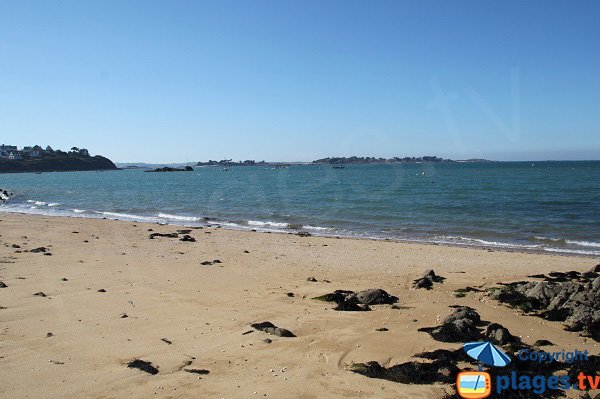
(358, 301)
(186, 237)
(465, 325)
(427, 279)
(571, 297)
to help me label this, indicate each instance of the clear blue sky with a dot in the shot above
(170, 81)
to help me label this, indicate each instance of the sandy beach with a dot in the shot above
(113, 295)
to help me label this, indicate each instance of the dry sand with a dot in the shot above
(204, 310)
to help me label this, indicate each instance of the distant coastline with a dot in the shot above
(353, 160)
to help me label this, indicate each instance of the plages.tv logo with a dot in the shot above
(478, 384)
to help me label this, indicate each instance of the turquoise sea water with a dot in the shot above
(546, 206)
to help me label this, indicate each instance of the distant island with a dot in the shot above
(342, 161)
(372, 160)
(37, 159)
(229, 162)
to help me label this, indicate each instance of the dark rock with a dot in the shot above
(47, 254)
(303, 234)
(423, 283)
(430, 274)
(143, 365)
(16, 246)
(101, 290)
(571, 297)
(410, 372)
(166, 341)
(167, 169)
(382, 329)
(123, 315)
(463, 312)
(187, 238)
(351, 301)
(427, 279)
(39, 294)
(542, 342)
(197, 371)
(168, 235)
(311, 279)
(272, 329)
(64, 279)
(2, 285)
(290, 294)
(48, 335)
(596, 269)
(499, 335)
(40, 249)
(375, 296)
(267, 340)
(460, 326)
(184, 231)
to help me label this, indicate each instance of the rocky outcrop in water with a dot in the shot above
(167, 169)
(4, 195)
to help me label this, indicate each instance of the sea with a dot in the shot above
(532, 206)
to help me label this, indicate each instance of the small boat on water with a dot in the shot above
(225, 170)
(339, 167)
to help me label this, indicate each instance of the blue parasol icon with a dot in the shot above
(486, 353)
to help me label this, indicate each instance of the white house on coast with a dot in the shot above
(11, 152)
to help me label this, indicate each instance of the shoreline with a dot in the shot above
(108, 294)
(250, 229)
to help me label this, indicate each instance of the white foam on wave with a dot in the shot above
(125, 216)
(316, 228)
(267, 224)
(78, 210)
(54, 204)
(468, 240)
(548, 239)
(572, 251)
(584, 243)
(179, 217)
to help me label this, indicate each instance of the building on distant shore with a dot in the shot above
(8, 151)
(32, 152)
(13, 156)
(12, 152)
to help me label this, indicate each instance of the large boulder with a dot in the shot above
(375, 296)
